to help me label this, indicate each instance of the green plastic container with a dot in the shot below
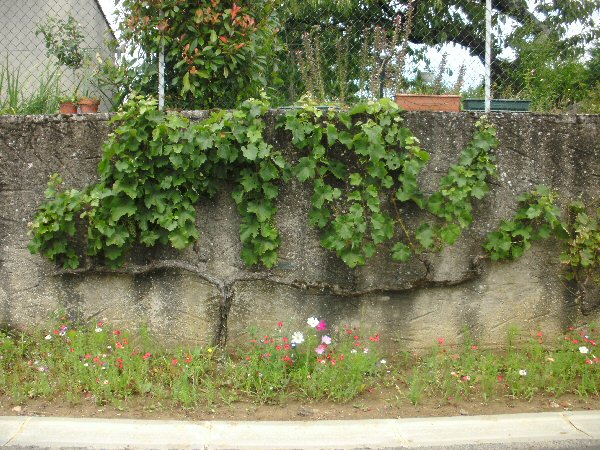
(478, 104)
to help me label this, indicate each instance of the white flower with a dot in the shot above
(98, 330)
(383, 361)
(105, 381)
(583, 350)
(522, 372)
(312, 322)
(353, 350)
(297, 338)
(85, 364)
(366, 350)
(48, 337)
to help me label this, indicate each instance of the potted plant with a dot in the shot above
(497, 104)
(431, 94)
(88, 105)
(68, 104)
(63, 41)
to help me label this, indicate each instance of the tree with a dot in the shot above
(460, 22)
(216, 51)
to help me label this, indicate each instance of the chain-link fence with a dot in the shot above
(219, 52)
(50, 50)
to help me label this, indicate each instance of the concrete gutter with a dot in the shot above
(540, 430)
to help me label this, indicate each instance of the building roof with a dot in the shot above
(112, 32)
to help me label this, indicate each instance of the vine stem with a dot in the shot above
(402, 224)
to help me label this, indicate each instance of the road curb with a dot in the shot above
(442, 432)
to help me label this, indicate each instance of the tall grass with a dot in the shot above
(43, 100)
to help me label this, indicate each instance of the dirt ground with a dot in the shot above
(380, 403)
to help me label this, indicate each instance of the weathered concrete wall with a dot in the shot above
(206, 291)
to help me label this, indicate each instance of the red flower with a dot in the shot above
(349, 331)
(238, 46)
(575, 341)
(539, 334)
(88, 356)
(287, 346)
(116, 332)
(247, 358)
(286, 340)
(119, 345)
(55, 331)
(175, 361)
(72, 350)
(356, 338)
(278, 347)
(499, 377)
(146, 356)
(441, 341)
(223, 39)
(588, 361)
(279, 324)
(120, 362)
(125, 341)
(188, 359)
(96, 359)
(341, 358)
(374, 338)
(474, 347)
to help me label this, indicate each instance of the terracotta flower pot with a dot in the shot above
(68, 108)
(89, 105)
(422, 102)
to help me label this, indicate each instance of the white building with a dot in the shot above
(26, 53)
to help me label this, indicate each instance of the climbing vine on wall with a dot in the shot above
(363, 165)
(363, 162)
(539, 217)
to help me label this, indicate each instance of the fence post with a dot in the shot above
(488, 54)
(161, 73)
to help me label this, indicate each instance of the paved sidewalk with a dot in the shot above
(542, 430)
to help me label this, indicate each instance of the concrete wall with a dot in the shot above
(206, 292)
(26, 52)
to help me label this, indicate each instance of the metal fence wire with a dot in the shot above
(78, 32)
(328, 51)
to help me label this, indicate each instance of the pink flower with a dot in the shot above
(326, 340)
(320, 349)
(146, 356)
(441, 341)
(322, 326)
